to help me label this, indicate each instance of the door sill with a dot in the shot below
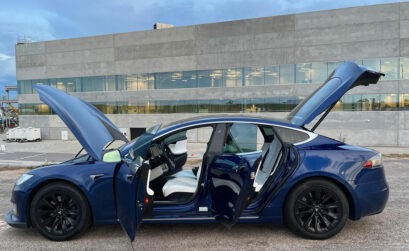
(249, 217)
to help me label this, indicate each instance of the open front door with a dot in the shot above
(231, 175)
(132, 193)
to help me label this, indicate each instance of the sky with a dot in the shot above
(56, 19)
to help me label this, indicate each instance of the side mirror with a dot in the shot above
(113, 156)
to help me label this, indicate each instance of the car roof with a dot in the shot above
(222, 118)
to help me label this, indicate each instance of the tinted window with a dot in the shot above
(291, 136)
(241, 138)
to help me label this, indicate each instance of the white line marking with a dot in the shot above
(26, 157)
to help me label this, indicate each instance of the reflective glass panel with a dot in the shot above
(253, 105)
(404, 68)
(404, 102)
(352, 102)
(93, 84)
(390, 66)
(319, 72)
(303, 74)
(370, 102)
(210, 78)
(232, 77)
(389, 102)
(333, 65)
(166, 106)
(272, 75)
(373, 63)
(186, 106)
(287, 72)
(272, 104)
(254, 76)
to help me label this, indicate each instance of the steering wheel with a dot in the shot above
(168, 158)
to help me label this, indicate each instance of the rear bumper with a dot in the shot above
(14, 221)
(372, 197)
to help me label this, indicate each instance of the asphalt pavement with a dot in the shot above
(388, 230)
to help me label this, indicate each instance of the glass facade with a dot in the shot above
(352, 102)
(304, 73)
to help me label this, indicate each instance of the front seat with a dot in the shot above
(182, 184)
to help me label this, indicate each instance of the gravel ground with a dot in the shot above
(388, 230)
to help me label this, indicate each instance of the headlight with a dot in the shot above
(23, 179)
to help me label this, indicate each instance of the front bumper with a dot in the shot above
(14, 221)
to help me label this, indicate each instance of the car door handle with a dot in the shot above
(129, 176)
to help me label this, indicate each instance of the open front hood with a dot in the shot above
(92, 128)
(343, 78)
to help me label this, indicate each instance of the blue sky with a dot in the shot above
(55, 19)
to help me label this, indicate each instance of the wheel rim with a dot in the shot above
(58, 212)
(318, 210)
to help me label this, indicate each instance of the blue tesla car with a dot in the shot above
(253, 170)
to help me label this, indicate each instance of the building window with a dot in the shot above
(404, 68)
(272, 75)
(93, 84)
(253, 105)
(287, 74)
(370, 102)
(389, 102)
(373, 63)
(333, 65)
(404, 102)
(319, 72)
(254, 76)
(232, 78)
(390, 66)
(303, 74)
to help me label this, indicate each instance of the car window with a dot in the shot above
(242, 138)
(291, 136)
(176, 137)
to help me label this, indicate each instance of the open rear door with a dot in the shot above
(345, 77)
(132, 193)
(232, 179)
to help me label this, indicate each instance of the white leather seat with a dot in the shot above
(179, 185)
(182, 184)
(269, 164)
(185, 173)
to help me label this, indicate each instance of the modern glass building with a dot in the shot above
(264, 66)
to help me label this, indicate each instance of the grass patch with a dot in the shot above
(395, 156)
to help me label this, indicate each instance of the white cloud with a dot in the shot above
(4, 57)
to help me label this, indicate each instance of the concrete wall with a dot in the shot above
(342, 34)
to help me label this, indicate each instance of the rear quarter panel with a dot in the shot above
(330, 159)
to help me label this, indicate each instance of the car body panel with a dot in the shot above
(92, 128)
(344, 78)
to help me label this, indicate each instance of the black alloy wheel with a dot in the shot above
(317, 209)
(59, 211)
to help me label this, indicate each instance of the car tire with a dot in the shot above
(59, 211)
(316, 209)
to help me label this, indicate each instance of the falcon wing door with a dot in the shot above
(343, 78)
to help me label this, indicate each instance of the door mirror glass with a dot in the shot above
(113, 156)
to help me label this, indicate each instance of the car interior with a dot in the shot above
(175, 180)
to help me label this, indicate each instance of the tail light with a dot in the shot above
(374, 162)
